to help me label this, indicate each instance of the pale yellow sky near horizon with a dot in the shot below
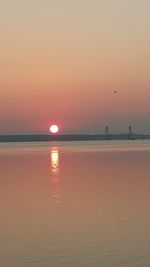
(62, 61)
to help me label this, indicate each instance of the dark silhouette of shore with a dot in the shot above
(69, 137)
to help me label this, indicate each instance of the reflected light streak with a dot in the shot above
(54, 168)
(55, 162)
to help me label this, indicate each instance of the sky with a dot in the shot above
(62, 60)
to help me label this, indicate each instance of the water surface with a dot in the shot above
(75, 204)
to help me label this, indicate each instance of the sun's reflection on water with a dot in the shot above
(55, 175)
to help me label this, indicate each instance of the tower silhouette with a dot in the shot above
(107, 136)
(130, 133)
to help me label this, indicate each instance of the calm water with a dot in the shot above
(75, 204)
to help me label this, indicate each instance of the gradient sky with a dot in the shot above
(61, 60)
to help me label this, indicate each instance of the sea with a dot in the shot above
(75, 204)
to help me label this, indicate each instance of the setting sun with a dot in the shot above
(54, 129)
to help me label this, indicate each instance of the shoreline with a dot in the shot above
(70, 137)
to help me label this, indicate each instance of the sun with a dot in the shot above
(54, 129)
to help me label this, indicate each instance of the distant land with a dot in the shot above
(69, 137)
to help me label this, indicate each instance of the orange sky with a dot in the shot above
(62, 61)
